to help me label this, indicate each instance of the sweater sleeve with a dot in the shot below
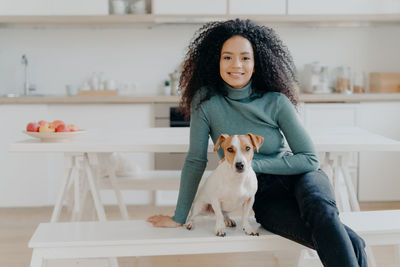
(303, 159)
(195, 163)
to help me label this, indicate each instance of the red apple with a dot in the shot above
(57, 122)
(73, 128)
(45, 128)
(42, 122)
(32, 127)
(62, 128)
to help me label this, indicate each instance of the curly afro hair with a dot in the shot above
(273, 64)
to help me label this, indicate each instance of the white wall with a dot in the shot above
(145, 55)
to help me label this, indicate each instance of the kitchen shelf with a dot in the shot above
(149, 19)
(307, 98)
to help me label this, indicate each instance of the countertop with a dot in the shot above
(307, 98)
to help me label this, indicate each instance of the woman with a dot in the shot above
(238, 77)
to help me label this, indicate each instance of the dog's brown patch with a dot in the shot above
(246, 147)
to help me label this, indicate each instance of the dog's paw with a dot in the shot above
(220, 233)
(189, 226)
(230, 223)
(250, 231)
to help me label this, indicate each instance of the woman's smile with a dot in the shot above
(236, 64)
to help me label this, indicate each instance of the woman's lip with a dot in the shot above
(235, 73)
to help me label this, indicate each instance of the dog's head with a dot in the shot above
(239, 149)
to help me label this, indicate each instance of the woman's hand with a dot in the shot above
(163, 221)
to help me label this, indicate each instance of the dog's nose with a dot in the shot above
(239, 166)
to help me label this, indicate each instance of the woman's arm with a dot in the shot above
(193, 169)
(304, 158)
(195, 163)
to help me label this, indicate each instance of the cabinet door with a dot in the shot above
(53, 7)
(255, 7)
(25, 7)
(329, 115)
(380, 171)
(343, 7)
(24, 176)
(334, 115)
(80, 7)
(189, 7)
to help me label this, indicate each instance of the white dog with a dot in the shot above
(231, 185)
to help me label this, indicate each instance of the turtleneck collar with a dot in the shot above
(238, 93)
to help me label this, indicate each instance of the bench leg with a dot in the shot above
(308, 258)
(370, 256)
(397, 255)
(37, 259)
(113, 262)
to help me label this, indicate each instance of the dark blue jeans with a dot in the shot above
(303, 208)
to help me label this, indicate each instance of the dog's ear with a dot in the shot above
(256, 140)
(221, 139)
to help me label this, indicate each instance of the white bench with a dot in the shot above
(111, 239)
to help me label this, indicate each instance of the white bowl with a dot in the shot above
(55, 136)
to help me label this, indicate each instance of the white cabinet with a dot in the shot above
(24, 176)
(329, 115)
(257, 7)
(53, 7)
(343, 7)
(80, 7)
(189, 7)
(380, 171)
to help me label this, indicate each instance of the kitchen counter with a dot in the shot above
(89, 100)
(308, 98)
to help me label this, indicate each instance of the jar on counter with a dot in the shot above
(359, 82)
(343, 84)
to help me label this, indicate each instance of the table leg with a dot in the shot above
(348, 195)
(336, 180)
(114, 183)
(93, 189)
(63, 190)
(77, 197)
(355, 206)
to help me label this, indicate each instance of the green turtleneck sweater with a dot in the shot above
(239, 112)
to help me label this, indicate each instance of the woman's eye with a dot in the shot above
(247, 148)
(227, 58)
(230, 149)
(246, 58)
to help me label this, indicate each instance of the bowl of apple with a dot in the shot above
(56, 131)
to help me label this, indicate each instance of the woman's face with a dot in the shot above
(236, 65)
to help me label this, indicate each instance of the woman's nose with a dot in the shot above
(236, 62)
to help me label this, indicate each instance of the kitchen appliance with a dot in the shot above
(316, 78)
(177, 119)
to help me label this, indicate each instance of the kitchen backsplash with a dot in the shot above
(141, 57)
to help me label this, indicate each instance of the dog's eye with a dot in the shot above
(247, 148)
(230, 149)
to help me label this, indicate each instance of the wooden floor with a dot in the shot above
(18, 224)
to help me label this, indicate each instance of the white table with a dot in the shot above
(332, 144)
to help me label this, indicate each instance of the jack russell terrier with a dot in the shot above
(231, 185)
